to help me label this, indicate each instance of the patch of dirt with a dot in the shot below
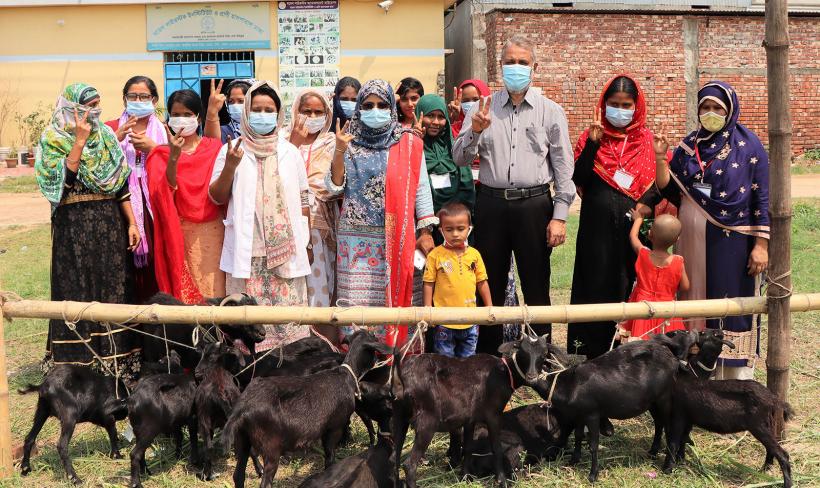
(23, 209)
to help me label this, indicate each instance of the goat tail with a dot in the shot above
(29, 388)
(788, 412)
(229, 432)
(397, 384)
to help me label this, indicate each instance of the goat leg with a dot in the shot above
(368, 423)
(675, 435)
(40, 417)
(242, 449)
(207, 473)
(424, 435)
(494, 434)
(398, 427)
(594, 425)
(467, 461)
(579, 437)
(192, 431)
(257, 466)
(138, 459)
(773, 448)
(329, 441)
(111, 428)
(657, 419)
(66, 431)
(454, 452)
(271, 465)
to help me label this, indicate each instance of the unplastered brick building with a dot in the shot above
(672, 48)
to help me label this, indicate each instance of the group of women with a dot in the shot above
(331, 208)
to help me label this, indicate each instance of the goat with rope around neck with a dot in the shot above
(620, 384)
(444, 394)
(282, 414)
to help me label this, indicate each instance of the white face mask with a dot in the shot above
(315, 124)
(183, 126)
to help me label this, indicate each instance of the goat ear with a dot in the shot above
(508, 347)
(383, 348)
(728, 343)
(544, 340)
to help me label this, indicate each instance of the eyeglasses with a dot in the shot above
(142, 97)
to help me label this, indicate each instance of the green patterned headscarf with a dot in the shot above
(103, 167)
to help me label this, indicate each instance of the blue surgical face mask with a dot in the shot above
(619, 117)
(348, 107)
(235, 111)
(139, 109)
(262, 123)
(375, 118)
(516, 77)
(467, 106)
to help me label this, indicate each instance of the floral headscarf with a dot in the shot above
(103, 168)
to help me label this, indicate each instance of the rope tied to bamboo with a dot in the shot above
(8, 296)
(787, 291)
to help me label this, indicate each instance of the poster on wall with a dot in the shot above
(203, 26)
(308, 47)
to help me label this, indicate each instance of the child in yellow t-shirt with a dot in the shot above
(453, 273)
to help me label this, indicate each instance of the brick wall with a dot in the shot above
(578, 53)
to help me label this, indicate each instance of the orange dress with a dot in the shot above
(654, 284)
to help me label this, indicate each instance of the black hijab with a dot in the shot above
(338, 113)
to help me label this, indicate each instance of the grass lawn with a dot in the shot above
(730, 460)
(19, 184)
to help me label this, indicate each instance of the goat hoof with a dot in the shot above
(607, 429)
(574, 460)
(592, 477)
(75, 480)
(116, 455)
(25, 470)
(667, 470)
(209, 476)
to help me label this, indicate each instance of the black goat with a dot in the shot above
(154, 346)
(281, 414)
(370, 469)
(375, 404)
(621, 384)
(148, 368)
(161, 404)
(215, 395)
(443, 394)
(724, 407)
(75, 394)
(531, 432)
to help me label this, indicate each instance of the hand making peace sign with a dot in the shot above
(234, 154)
(342, 137)
(124, 129)
(175, 144)
(660, 143)
(481, 119)
(216, 100)
(418, 128)
(596, 129)
(454, 107)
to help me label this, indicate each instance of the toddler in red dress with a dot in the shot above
(659, 273)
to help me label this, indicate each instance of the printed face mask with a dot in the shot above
(139, 109)
(235, 111)
(712, 121)
(516, 77)
(262, 123)
(467, 106)
(348, 107)
(183, 126)
(315, 124)
(375, 118)
(619, 117)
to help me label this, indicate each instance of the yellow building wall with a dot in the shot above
(42, 49)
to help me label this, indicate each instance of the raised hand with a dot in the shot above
(342, 137)
(299, 133)
(660, 143)
(596, 129)
(234, 154)
(454, 107)
(142, 142)
(124, 129)
(216, 100)
(418, 128)
(82, 128)
(175, 144)
(481, 119)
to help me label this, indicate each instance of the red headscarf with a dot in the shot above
(482, 90)
(190, 201)
(631, 150)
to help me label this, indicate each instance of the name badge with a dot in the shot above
(475, 173)
(624, 179)
(704, 188)
(440, 181)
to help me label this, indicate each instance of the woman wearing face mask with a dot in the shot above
(614, 171)
(309, 132)
(409, 93)
(263, 181)
(344, 101)
(380, 169)
(235, 103)
(82, 172)
(187, 224)
(719, 176)
(139, 131)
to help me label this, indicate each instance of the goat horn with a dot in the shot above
(233, 298)
(728, 343)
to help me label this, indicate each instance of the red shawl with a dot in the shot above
(482, 90)
(638, 157)
(401, 183)
(190, 201)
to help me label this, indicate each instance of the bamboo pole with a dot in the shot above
(780, 130)
(6, 466)
(103, 312)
